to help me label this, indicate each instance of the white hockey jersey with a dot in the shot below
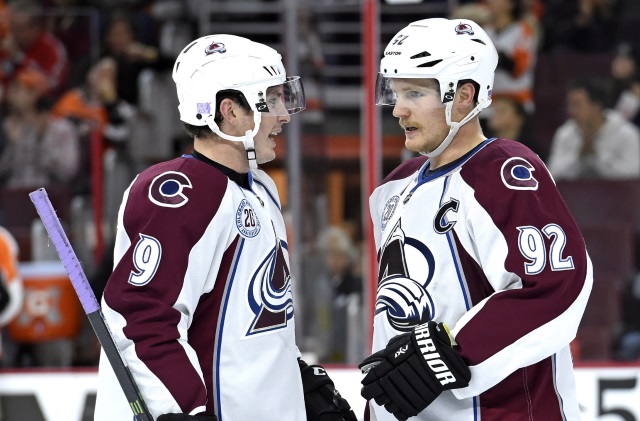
(487, 245)
(200, 301)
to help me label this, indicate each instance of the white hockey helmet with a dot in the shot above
(222, 62)
(446, 50)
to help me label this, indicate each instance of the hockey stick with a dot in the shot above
(88, 300)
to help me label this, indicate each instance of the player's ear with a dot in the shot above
(228, 110)
(466, 94)
(232, 117)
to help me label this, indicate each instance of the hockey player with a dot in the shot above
(474, 236)
(200, 299)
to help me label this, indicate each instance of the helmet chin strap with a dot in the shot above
(250, 149)
(453, 129)
(247, 139)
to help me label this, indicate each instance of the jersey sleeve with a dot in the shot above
(535, 264)
(167, 255)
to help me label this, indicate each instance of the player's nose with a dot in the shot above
(284, 119)
(400, 111)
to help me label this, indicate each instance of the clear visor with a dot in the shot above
(285, 99)
(390, 91)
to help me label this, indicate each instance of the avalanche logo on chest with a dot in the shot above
(246, 220)
(270, 295)
(402, 295)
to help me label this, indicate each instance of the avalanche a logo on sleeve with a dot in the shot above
(166, 190)
(389, 210)
(404, 298)
(247, 220)
(270, 296)
(517, 174)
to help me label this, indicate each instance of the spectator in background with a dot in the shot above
(311, 57)
(509, 120)
(29, 45)
(475, 11)
(96, 106)
(626, 84)
(73, 27)
(41, 149)
(594, 142)
(515, 40)
(87, 105)
(130, 55)
(11, 291)
(579, 25)
(340, 258)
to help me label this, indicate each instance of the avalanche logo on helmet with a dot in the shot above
(215, 47)
(464, 28)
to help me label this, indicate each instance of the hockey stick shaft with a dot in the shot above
(88, 300)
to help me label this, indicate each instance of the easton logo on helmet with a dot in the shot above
(464, 28)
(215, 47)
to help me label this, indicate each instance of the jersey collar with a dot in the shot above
(426, 173)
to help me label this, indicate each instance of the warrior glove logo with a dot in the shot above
(432, 357)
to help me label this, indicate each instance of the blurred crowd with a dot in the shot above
(73, 71)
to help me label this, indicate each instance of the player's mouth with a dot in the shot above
(409, 130)
(274, 134)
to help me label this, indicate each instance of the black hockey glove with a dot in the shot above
(321, 399)
(413, 370)
(186, 417)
